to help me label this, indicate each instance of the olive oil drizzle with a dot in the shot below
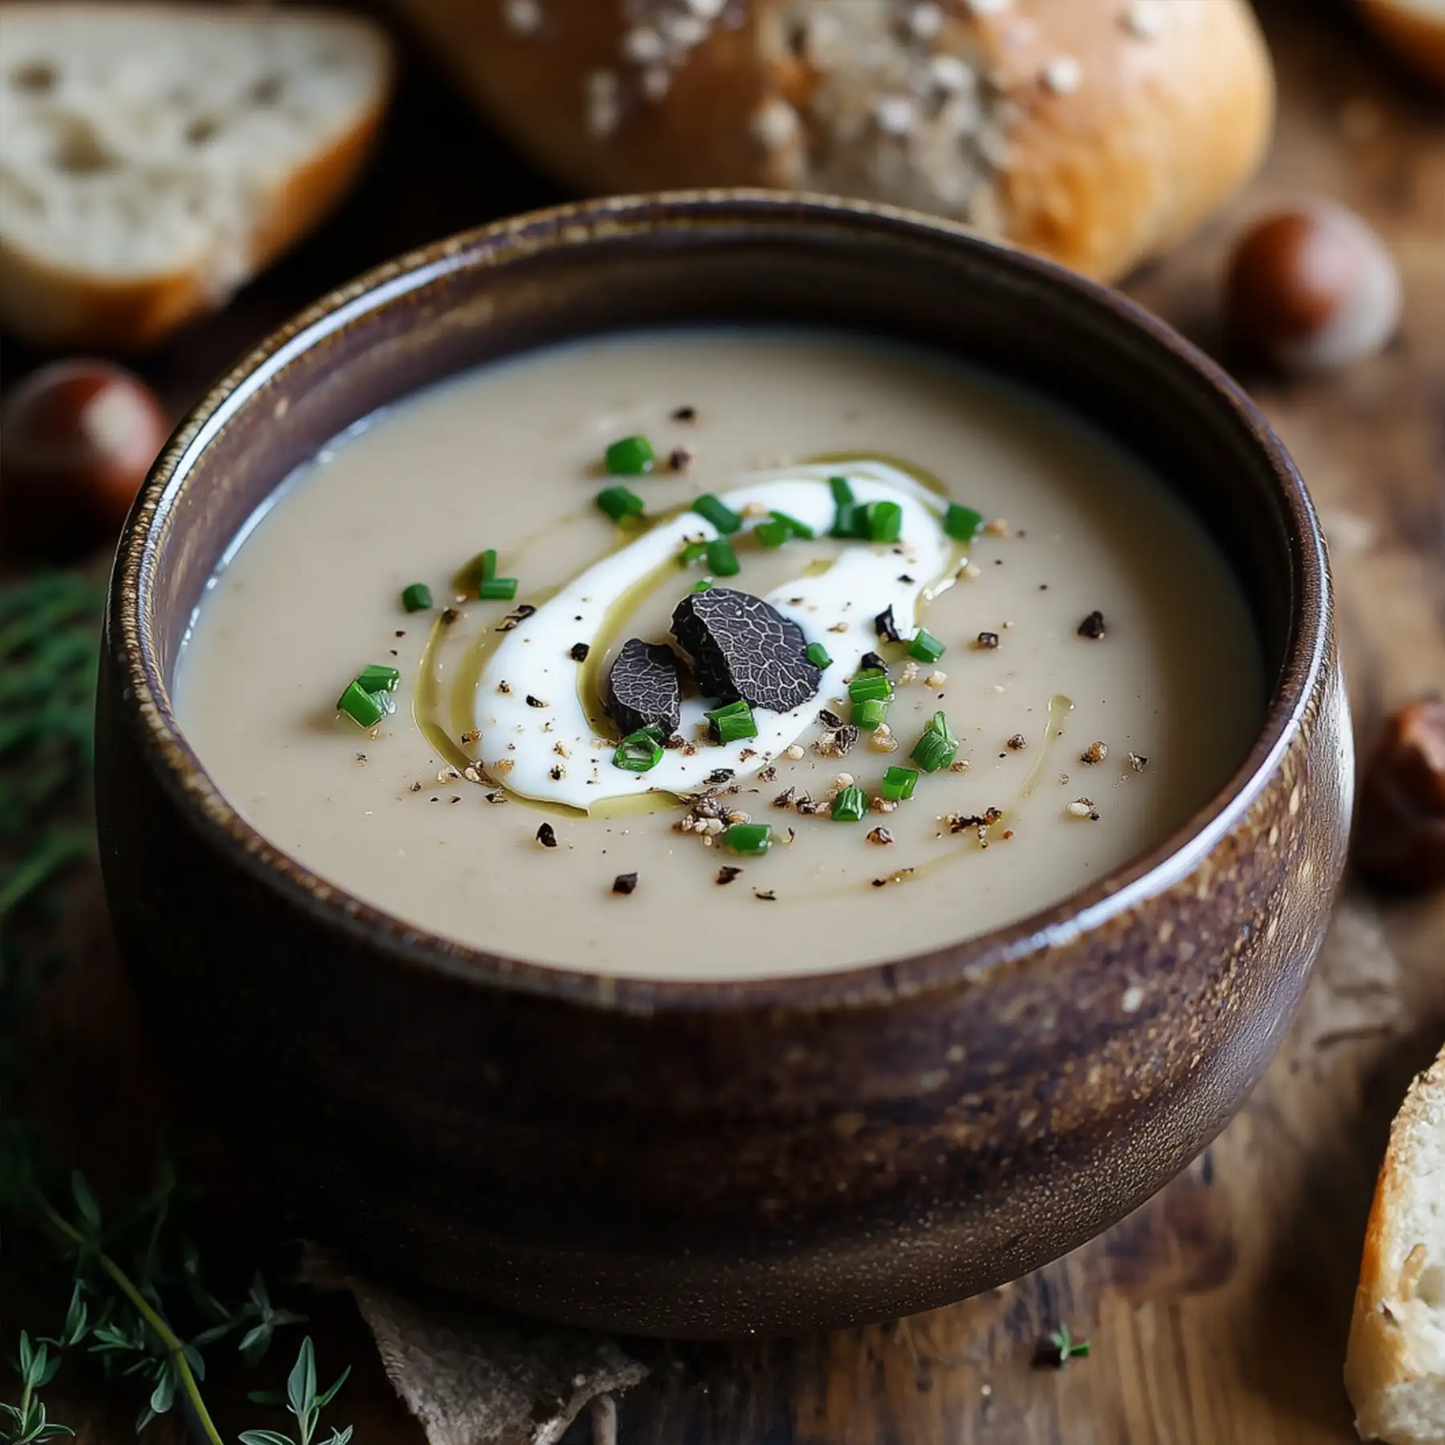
(1059, 708)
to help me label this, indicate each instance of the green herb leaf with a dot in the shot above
(365, 709)
(925, 646)
(164, 1394)
(327, 1396)
(263, 1437)
(630, 457)
(732, 723)
(937, 747)
(798, 529)
(619, 503)
(752, 840)
(963, 524)
(722, 561)
(898, 784)
(713, 509)
(884, 521)
(85, 1201)
(638, 752)
(871, 713)
(482, 567)
(301, 1383)
(376, 678)
(870, 683)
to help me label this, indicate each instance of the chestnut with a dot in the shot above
(1311, 287)
(76, 441)
(1399, 837)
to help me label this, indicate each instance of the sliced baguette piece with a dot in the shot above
(154, 157)
(1395, 1368)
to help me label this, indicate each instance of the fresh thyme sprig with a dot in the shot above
(121, 1316)
(1060, 1346)
(304, 1401)
(25, 1423)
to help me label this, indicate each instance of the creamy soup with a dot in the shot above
(648, 715)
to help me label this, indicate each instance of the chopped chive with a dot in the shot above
(378, 679)
(733, 722)
(931, 753)
(702, 585)
(849, 806)
(691, 552)
(884, 521)
(713, 509)
(963, 524)
(898, 784)
(483, 566)
(638, 752)
(818, 655)
(752, 840)
(925, 646)
(842, 492)
(618, 503)
(366, 709)
(631, 457)
(870, 684)
(794, 526)
(872, 711)
(417, 597)
(498, 589)
(772, 534)
(721, 559)
(846, 519)
(936, 748)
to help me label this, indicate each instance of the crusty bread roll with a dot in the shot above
(1096, 131)
(1414, 30)
(1395, 1369)
(153, 157)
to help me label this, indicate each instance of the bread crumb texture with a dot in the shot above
(169, 148)
(1395, 1370)
(1098, 132)
(871, 97)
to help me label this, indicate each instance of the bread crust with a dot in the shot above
(1416, 40)
(1110, 128)
(1377, 1360)
(61, 309)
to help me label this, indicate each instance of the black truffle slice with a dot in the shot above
(644, 688)
(743, 648)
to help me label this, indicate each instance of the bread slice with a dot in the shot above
(153, 157)
(1414, 30)
(1395, 1369)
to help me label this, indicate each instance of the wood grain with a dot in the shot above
(1218, 1312)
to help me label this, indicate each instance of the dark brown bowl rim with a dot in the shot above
(968, 962)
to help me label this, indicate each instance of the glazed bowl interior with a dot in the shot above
(731, 258)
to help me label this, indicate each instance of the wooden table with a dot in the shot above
(1218, 1312)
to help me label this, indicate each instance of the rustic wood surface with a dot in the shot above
(1218, 1312)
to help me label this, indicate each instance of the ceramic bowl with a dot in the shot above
(711, 1159)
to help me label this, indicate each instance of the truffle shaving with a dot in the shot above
(744, 648)
(644, 688)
